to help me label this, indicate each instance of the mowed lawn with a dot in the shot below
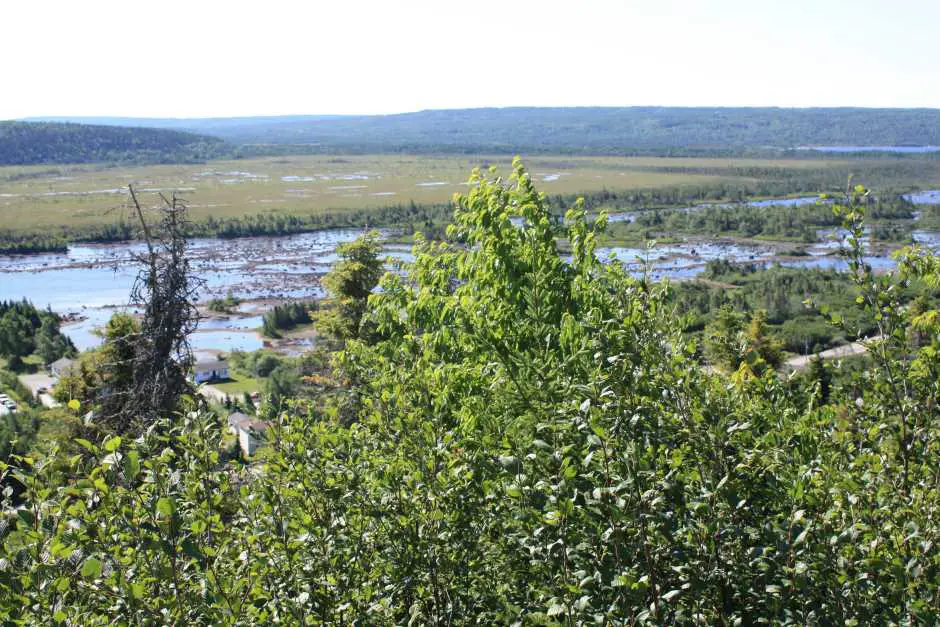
(38, 197)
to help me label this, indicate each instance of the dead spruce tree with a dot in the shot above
(166, 292)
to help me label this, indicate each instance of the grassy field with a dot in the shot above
(239, 385)
(34, 198)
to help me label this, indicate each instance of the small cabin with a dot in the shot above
(249, 431)
(208, 370)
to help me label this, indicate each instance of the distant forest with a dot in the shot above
(665, 131)
(29, 143)
(582, 130)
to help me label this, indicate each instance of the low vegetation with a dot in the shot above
(44, 206)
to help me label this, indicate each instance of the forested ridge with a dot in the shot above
(575, 130)
(30, 143)
(503, 434)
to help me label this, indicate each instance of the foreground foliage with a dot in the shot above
(534, 443)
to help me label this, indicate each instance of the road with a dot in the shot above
(40, 380)
(849, 350)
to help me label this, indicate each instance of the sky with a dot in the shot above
(203, 58)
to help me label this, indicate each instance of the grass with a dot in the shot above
(239, 385)
(42, 197)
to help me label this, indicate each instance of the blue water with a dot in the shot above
(897, 149)
(927, 197)
(95, 280)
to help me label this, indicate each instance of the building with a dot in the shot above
(210, 370)
(250, 431)
(60, 366)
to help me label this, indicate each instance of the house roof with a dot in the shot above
(237, 418)
(210, 364)
(240, 420)
(62, 363)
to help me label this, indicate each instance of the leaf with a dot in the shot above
(137, 590)
(91, 568)
(669, 596)
(165, 507)
(132, 464)
(86, 444)
(112, 444)
(556, 608)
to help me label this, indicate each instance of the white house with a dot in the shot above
(248, 430)
(210, 370)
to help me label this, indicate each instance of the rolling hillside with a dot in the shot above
(30, 143)
(589, 130)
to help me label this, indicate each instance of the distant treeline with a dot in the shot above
(18, 244)
(409, 217)
(572, 130)
(772, 221)
(31, 143)
(431, 219)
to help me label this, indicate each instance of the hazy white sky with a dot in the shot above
(195, 58)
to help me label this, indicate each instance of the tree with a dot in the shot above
(729, 345)
(282, 384)
(166, 292)
(819, 380)
(724, 346)
(50, 343)
(349, 283)
(16, 338)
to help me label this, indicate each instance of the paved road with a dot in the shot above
(40, 380)
(855, 348)
(48, 401)
(36, 381)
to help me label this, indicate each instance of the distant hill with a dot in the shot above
(595, 130)
(207, 126)
(28, 143)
